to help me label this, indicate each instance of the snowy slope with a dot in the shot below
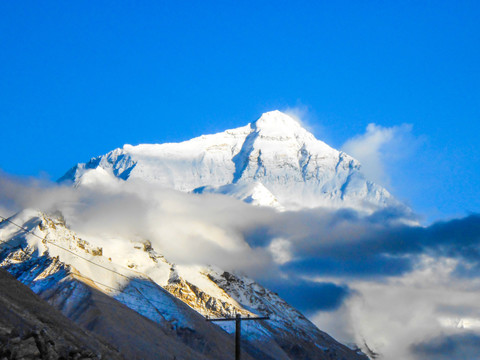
(273, 161)
(51, 259)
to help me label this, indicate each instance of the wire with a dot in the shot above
(44, 239)
(132, 280)
(61, 247)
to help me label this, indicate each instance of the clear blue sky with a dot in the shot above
(78, 79)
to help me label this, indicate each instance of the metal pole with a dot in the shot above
(238, 334)
(238, 328)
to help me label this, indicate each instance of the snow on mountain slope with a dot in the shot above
(57, 263)
(273, 161)
(251, 193)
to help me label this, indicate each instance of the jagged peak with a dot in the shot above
(297, 169)
(276, 121)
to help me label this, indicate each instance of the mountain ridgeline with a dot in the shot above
(144, 305)
(273, 161)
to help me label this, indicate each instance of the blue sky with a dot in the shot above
(81, 78)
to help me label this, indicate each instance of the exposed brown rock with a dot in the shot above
(32, 329)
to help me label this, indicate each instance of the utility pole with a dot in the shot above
(238, 328)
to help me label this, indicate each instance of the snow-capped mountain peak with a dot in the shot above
(274, 153)
(277, 123)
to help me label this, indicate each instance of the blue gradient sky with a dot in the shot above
(78, 79)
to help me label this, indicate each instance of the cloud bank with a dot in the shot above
(405, 292)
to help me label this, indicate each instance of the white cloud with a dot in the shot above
(305, 117)
(395, 315)
(281, 250)
(378, 148)
(185, 228)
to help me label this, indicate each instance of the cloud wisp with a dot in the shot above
(379, 146)
(209, 226)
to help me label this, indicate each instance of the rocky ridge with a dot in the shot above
(66, 270)
(32, 329)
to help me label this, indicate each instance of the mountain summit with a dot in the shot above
(277, 122)
(130, 287)
(272, 161)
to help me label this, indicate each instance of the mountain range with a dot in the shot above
(144, 305)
